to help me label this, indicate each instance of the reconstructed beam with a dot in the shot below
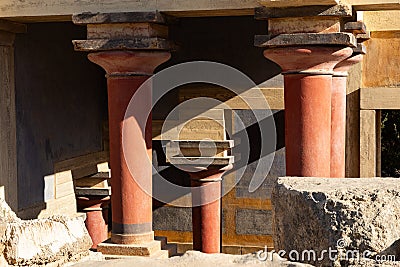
(56, 10)
(380, 98)
(61, 10)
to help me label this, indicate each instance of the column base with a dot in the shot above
(129, 239)
(113, 251)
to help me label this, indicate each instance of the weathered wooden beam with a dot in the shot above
(380, 98)
(10, 26)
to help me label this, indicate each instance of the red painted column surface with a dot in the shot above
(206, 218)
(338, 133)
(96, 210)
(308, 84)
(131, 186)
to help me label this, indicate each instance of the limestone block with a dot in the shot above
(45, 240)
(6, 214)
(350, 214)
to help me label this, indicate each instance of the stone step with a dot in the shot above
(171, 248)
(162, 239)
(147, 249)
(161, 254)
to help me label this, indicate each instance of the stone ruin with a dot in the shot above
(357, 220)
(56, 240)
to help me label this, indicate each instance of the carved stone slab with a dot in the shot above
(93, 45)
(298, 39)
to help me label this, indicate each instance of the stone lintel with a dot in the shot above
(202, 161)
(152, 43)
(119, 17)
(341, 10)
(355, 27)
(223, 144)
(198, 148)
(360, 49)
(88, 191)
(362, 37)
(302, 39)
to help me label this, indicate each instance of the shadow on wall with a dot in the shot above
(61, 102)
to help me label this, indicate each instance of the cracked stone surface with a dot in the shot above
(198, 259)
(42, 241)
(361, 215)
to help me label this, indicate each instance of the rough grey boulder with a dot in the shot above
(356, 217)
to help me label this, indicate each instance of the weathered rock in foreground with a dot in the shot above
(42, 241)
(198, 259)
(345, 216)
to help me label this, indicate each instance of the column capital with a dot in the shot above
(317, 60)
(342, 68)
(132, 63)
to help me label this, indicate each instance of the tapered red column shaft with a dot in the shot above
(308, 84)
(206, 219)
(338, 113)
(307, 124)
(130, 160)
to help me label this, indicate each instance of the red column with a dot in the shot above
(206, 218)
(338, 133)
(131, 201)
(308, 84)
(96, 210)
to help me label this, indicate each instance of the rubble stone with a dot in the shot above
(41, 241)
(347, 215)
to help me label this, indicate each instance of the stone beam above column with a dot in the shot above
(61, 10)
